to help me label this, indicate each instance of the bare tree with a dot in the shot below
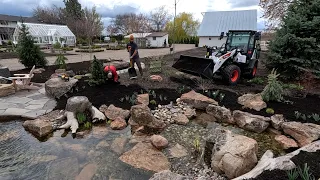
(159, 18)
(274, 10)
(49, 15)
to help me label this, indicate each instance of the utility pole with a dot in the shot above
(174, 27)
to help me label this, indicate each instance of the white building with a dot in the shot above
(213, 23)
(139, 38)
(45, 34)
(157, 39)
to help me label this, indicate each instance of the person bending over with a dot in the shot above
(112, 74)
(132, 48)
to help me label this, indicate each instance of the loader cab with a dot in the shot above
(243, 40)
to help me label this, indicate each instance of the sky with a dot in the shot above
(110, 8)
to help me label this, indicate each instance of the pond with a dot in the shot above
(22, 156)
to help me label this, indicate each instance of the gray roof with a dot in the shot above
(213, 23)
(4, 17)
(157, 34)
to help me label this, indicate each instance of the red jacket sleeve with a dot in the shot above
(114, 73)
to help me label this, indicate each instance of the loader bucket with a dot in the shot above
(196, 66)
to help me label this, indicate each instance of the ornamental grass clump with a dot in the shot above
(273, 90)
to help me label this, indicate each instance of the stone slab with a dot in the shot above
(42, 91)
(51, 104)
(38, 102)
(4, 105)
(34, 113)
(15, 111)
(34, 106)
(19, 100)
(36, 96)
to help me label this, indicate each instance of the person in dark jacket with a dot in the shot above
(132, 48)
(112, 74)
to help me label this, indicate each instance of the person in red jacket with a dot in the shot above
(112, 74)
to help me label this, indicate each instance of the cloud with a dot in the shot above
(107, 12)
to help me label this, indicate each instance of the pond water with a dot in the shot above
(22, 156)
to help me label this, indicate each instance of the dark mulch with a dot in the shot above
(312, 160)
(11, 55)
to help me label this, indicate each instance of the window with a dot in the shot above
(51, 39)
(3, 22)
(210, 38)
(154, 38)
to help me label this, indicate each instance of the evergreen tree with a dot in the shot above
(98, 76)
(296, 47)
(29, 53)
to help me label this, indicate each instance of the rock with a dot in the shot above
(221, 114)
(274, 131)
(56, 87)
(118, 124)
(143, 99)
(113, 112)
(159, 142)
(99, 131)
(82, 134)
(190, 113)
(145, 156)
(5, 72)
(38, 127)
(141, 114)
(119, 64)
(118, 144)
(232, 154)
(181, 119)
(178, 151)
(204, 119)
(59, 71)
(303, 133)
(251, 122)
(252, 101)
(103, 108)
(197, 100)
(139, 138)
(6, 89)
(268, 163)
(67, 168)
(78, 104)
(39, 70)
(286, 142)
(156, 78)
(70, 73)
(155, 125)
(4, 136)
(166, 174)
(277, 120)
(87, 172)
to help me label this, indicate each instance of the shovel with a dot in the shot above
(132, 71)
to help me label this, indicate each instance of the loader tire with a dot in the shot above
(253, 72)
(231, 74)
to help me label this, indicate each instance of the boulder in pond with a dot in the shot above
(56, 87)
(38, 127)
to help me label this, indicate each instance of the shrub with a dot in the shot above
(61, 61)
(273, 90)
(256, 80)
(29, 53)
(269, 111)
(9, 43)
(97, 74)
(57, 45)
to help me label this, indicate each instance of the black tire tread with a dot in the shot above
(226, 73)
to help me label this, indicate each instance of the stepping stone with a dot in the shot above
(35, 113)
(4, 105)
(19, 100)
(51, 104)
(15, 111)
(35, 106)
(38, 102)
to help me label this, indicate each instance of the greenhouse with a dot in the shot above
(47, 34)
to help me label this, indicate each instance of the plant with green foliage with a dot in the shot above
(304, 173)
(98, 76)
(88, 125)
(273, 90)
(28, 52)
(304, 117)
(81, 117)
(269, 111)
(292, 174)
(256, 80)
(196, 144)
(316, 117)
(221, 97)
(57, 45)
(153, 102)
(295, 48)
(297, 114)
(293, 86)
(61, 61)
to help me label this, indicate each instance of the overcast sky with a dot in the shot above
(109, 8)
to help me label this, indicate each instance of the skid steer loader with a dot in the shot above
(237, 57)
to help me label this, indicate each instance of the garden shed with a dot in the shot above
(157, 39)
(47, 34)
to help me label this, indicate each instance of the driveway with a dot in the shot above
(13, 64)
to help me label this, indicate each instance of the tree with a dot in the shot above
(274, 10)
(185, 26)
(159, 18)
(49, 15)
(97, 74)
(295, 48)
(29, 53)
(130, 22)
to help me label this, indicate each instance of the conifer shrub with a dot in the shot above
(273, 90)
(98, 76)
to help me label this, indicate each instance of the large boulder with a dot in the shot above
(167, 174)
(231, 154)
(145, 156)
(268, 163)
(304, 133)
(251, 122)
(197, 100)
(112, 112)
(38, 127)
(221, 114)
(56, 87)
(252, 101)
(78, 104)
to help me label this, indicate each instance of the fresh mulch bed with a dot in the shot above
(11, 55)
(312, 160)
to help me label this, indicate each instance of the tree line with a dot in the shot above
(87, 23)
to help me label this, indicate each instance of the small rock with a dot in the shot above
(277, 120)
(82, 134)
(190, 113)
(38, 127)
(156, 78)
(178, 151)
(167, 175)
(181, 119)
(113, 112)
(103, 108)
(286, 142)
(143, 99)
(118, 124)
(159, 142)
